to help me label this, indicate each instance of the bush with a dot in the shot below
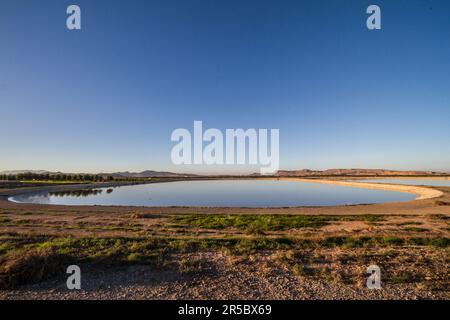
(32, 266)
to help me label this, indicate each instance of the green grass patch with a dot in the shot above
(4, 221)
(259, 223)
(415, 229)
(439, 217)
(404, 278)
(406, 223)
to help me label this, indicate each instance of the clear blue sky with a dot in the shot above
(107, 97)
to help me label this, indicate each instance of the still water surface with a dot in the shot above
(221, 193)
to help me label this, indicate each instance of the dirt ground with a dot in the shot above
(231, 253)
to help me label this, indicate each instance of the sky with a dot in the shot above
(107, 97)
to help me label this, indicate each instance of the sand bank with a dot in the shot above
(420, 192)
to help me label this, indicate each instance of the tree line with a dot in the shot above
(57, 177)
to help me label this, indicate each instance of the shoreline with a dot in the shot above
(422, 204)
(422, 193)
(402, 178)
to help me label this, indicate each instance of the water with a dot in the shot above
(223, 193)
(417, 182)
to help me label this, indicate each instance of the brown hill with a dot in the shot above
(353, 172)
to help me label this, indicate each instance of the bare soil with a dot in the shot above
(411, 268)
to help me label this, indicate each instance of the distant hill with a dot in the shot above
(280, 173)
(354, 172)
(125, 174)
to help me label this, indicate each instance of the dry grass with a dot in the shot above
(32, 266)
(36, 243)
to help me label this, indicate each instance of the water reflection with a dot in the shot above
(78, 193)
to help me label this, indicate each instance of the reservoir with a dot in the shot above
(220, 193)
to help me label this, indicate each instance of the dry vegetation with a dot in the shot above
(276, 256)
(412, 250)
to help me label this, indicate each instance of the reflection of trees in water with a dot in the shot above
(78, 193)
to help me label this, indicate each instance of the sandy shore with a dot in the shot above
(401, 178)
(420, 192)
